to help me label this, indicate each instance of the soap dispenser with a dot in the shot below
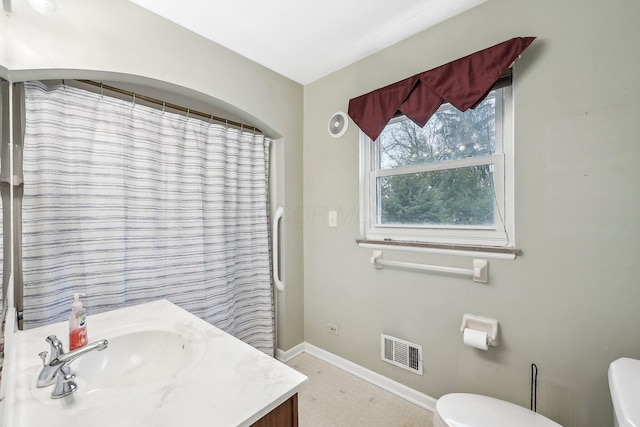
(77, 323)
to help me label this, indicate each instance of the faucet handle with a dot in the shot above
(57, 348)
(43, 355)
(65, 384)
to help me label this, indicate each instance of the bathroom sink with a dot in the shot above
(163, 367)
(138, 358)
(135, 359)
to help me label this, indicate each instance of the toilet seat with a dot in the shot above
(473, 410)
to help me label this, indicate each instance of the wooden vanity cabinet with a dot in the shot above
(285, 415)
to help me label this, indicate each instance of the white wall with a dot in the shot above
(569, 303)
(118, 41)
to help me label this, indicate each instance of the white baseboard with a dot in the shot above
(285, 356)
(394, 387)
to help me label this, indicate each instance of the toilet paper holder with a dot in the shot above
(484, 324)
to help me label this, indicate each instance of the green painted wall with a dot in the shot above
(569, 303)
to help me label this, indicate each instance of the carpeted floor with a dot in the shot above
(335, 398)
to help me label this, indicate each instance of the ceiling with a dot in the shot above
(305, 40)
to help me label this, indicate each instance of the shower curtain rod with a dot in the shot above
(172, 106)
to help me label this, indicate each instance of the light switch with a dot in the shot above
(333, 219)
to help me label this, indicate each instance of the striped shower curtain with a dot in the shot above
(129, 204)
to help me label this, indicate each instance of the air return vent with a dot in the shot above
(401, 353)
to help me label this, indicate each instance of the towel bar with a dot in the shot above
(479, 273)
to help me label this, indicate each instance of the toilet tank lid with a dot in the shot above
(474, 410)
(624, 384)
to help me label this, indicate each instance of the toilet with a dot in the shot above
(474, 410)
(624, 385)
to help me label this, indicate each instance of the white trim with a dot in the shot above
(417, 398)
(364, 186)
(285, 356)
(438, 166)
(508, 147)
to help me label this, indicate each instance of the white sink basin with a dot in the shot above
(134, 359)
(138, 359)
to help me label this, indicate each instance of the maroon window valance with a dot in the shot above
(463, 83)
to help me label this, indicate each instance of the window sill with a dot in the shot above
(473, 251)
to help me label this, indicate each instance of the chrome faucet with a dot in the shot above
(47, 374)
(58, 370)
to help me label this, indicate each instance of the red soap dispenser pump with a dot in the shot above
(77, 323)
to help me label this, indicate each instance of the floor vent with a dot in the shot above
(401, 353)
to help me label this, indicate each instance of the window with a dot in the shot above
(449, 182)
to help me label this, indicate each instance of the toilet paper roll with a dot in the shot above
(475, 338)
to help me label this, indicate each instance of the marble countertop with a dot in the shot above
(225, 383)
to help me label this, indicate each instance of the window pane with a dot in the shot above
(462, 196)
(448, 135)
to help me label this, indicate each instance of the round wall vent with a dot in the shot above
(338, 124)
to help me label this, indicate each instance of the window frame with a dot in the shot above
(501, 235)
